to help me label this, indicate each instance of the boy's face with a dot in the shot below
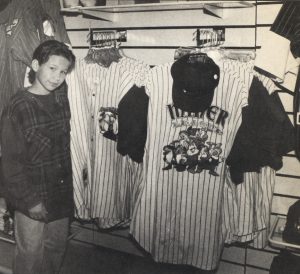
(51, 74)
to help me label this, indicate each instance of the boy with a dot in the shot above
(36, 165)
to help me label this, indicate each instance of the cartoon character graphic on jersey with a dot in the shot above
(174, 156)
(108, 122)
(192, 152)
(209, 158)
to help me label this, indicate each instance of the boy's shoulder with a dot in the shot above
(19, 95)
(17, 101)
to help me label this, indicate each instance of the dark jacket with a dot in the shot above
(265, 135)
(36, 164)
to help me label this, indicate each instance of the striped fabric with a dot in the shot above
(248, 208)
(22, 37)
(78, 98)
(112, 182)
(4, 73)
(248, 205)
(179, 214)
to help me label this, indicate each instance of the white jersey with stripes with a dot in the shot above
(105, 183)
(178, 218)
(247, 206)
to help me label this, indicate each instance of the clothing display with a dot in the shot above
(111, 180)
(287, 24)
(184, 153)
(248, 205)
(179, 215)
(265, 135)
(133, 111)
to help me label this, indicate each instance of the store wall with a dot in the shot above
(153, 37)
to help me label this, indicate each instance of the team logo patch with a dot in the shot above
(191, 152)
(108, 122)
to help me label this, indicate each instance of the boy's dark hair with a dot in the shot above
(48, 48)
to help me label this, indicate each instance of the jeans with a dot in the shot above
(40, 247)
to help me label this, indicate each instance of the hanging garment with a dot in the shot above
(265, 135)
(133, 110)
(4, 72)
(247, 208)
(179, 214)
(52, 10)
(112, 180)
(287, 24)
(24, 32)
(248, 205)
(79, 97)
(108, 169)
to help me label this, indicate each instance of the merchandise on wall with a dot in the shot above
(179, 130)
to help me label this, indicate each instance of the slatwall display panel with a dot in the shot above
(153, 37)
(287, 186)
(291, 166)
(266, 12)
(281, 204)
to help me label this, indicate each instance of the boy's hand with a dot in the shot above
(38, 212)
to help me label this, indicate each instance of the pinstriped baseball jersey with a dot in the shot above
(112, 176)
(179, 213)
(248, 205)
(112, 181)
(80, 118)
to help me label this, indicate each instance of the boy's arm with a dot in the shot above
(16, 183)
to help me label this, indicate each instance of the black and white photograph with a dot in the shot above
(149, 137)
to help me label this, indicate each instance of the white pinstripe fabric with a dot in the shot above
(248, 205)
(110, 190)
(179, 214)
(78, 96)
(113, 176)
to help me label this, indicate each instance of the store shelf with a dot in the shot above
(111, 13)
